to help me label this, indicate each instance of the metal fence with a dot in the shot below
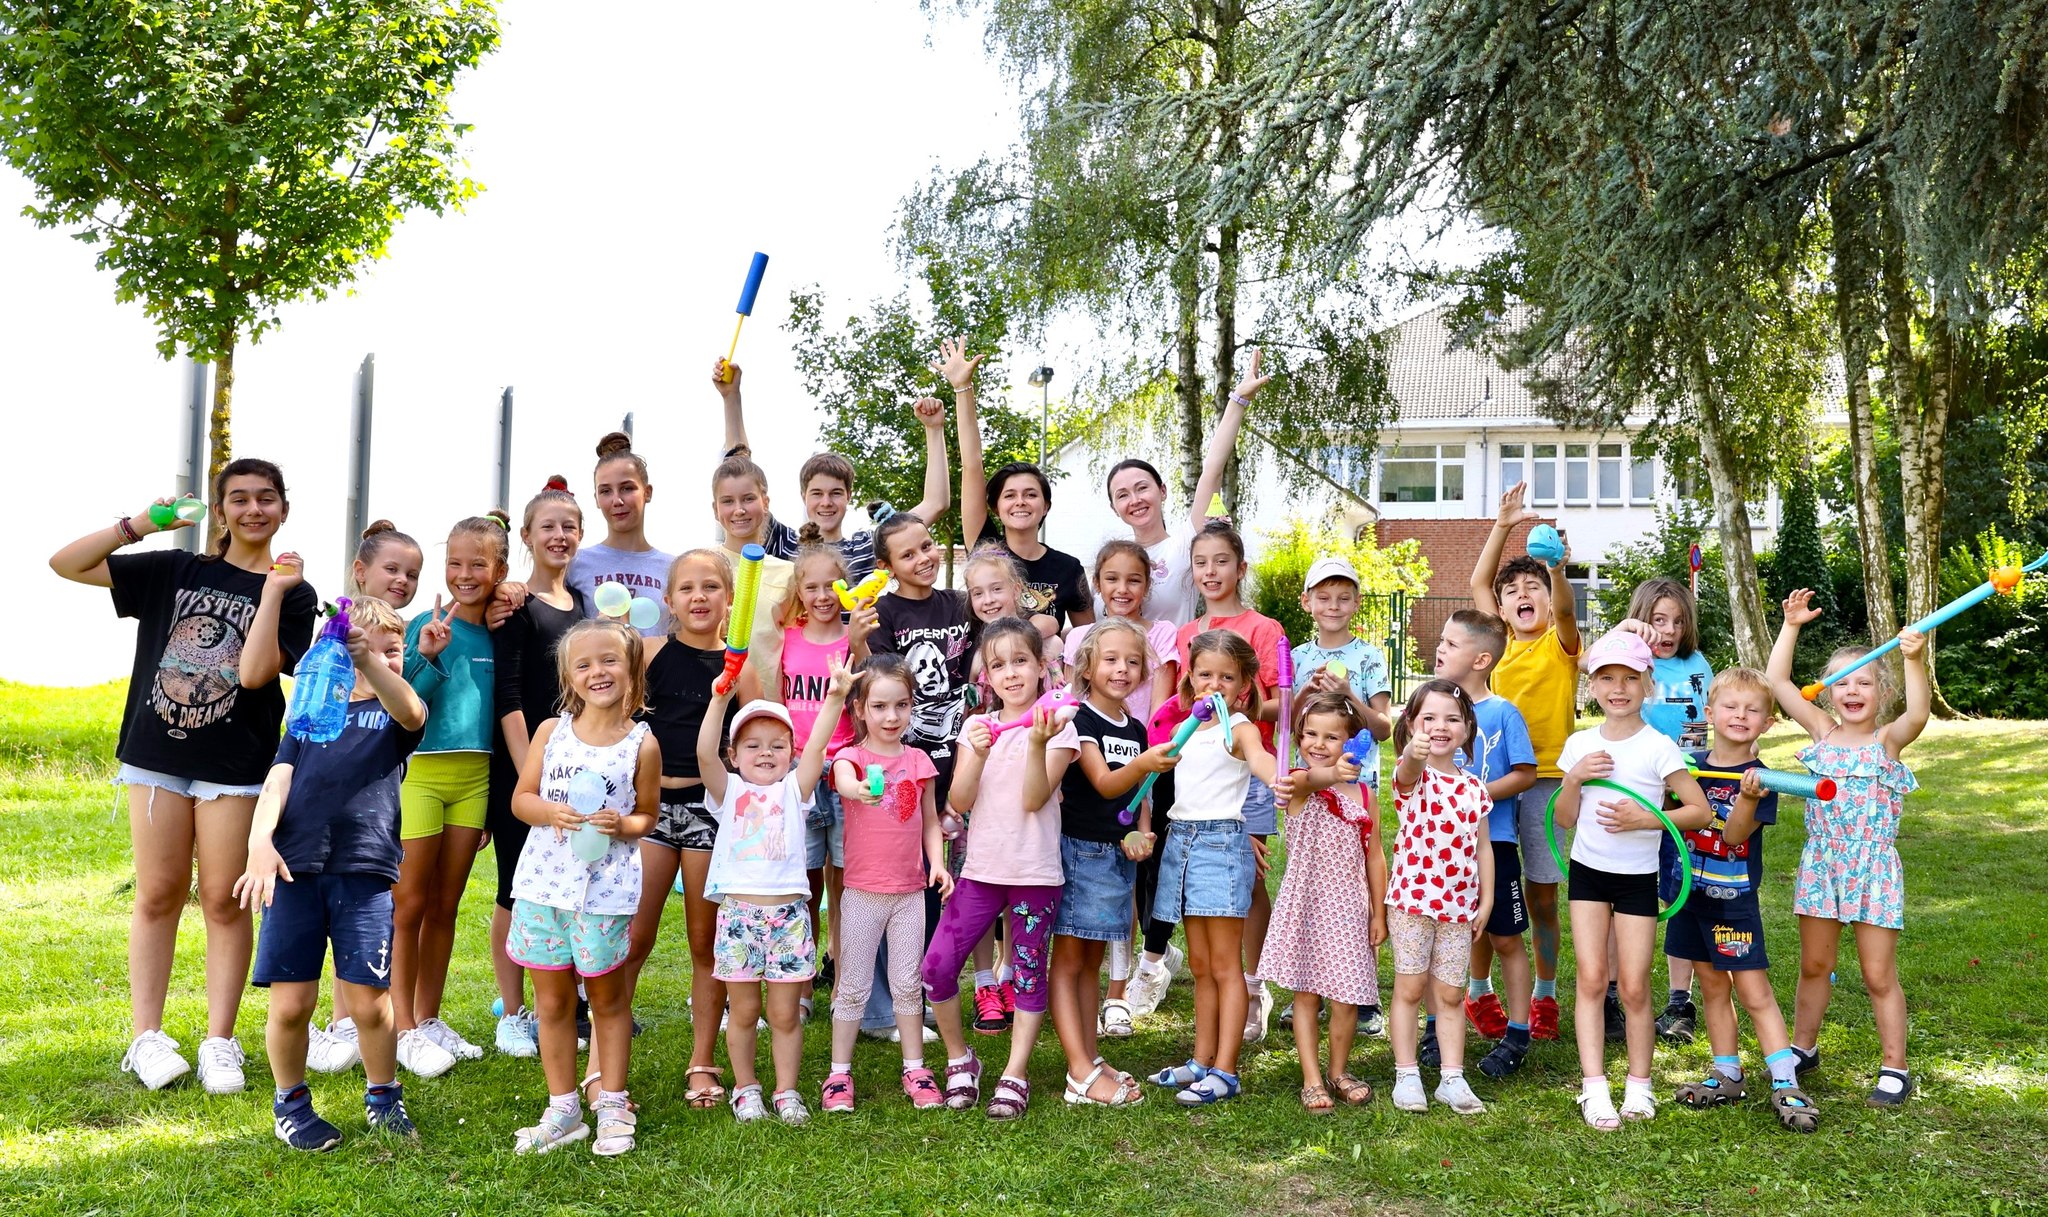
(1407, 628)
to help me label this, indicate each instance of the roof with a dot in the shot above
(1438, 375)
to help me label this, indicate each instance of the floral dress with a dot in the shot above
(1320, 939)
(1849, 870)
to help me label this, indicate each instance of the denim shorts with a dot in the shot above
(1261, 817)
(1205, 870)
(825, 829)
(352, 911)
(189, 788)
(1097, 903)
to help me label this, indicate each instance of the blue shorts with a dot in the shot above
(549, 939)
(1206, 869)
(1097, 903)
(188, 788)
(1261, 817)
(1667, 869)
(1727, 935)
(352, 911)
(825, 829)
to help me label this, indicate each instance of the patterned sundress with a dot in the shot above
(1320, 938)
(1850, 870)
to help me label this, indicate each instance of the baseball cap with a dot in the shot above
(1623, 647)
(762, 708)
(1329, 568)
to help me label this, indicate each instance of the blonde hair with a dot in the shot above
(813, 548)
(1887, 691)
(1003, 560)
(716, 556)
(629, 640)
(1749, 680)
(1082, 677)
(370, 614)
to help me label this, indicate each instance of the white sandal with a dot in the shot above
(1638, 1103)
(1127, 1092)
(1598, 1109)
(556, 1128)
(1116, 1018)
(615, 1127)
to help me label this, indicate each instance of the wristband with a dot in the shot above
(1240, 401)
(127, 531)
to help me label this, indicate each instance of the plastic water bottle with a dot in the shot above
(320, 687)
(586, 795)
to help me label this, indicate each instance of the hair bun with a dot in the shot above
(500, 517)
(377, 526)
(557, 482)
(613, 443)
(810, 534)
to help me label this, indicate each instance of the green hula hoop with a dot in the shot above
(1677, 838)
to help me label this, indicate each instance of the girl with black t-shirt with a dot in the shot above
(197, 736)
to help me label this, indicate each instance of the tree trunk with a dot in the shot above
(1187, 341)
(222, 447)
(1852, 319)
(1731, 520)
(1228, 15)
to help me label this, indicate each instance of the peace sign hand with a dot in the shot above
(434, 635)
(1252, 382)
(954, 364)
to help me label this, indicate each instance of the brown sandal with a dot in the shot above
(1316, 1101)
(1350, 1089)
(705, 1097)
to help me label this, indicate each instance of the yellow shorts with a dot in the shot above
(443, 788)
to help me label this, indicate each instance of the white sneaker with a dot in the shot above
(1147, 988)
(446, 1036)
(1456, 1093)
(220, 1066)
(329, 1052)
(1172, 959)
(153, 1059)
(1258, 1013)
(1408, 1092)
(420, 1056)
(517, 1035)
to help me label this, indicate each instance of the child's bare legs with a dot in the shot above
(611, 1027)
(1516, 986)
(1076, 994)
(1307, 1036)
(816, 879)
(1635, 940)
(1343, 1033)
(1820, 941)
(284, 1033)
(437, 930)
(1724, 1036)
(1877, 951)
(1402, 1032)
(1682, 973)
(1589, 935)
(707, 992)
(554, 1001)
(1255, 923)
(1482, 958)
(740, 1040)
(409, 898)
(985, 952)
(510, 976)
(1450, 1022)
(835, 887)
(221, 829)
(160, 836)
(1544, 928)
(376, 1038)
(1215, 953)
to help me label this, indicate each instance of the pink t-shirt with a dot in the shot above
(806, 674)
(1006, 842)
(1267, 639)
(1436, 855)
(1161, 642)
(885, 841)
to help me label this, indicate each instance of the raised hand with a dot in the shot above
(954, 364)
(1799, 610)
(1912, 645)
(1512, 509)
(930, 411)
(839, 676)
(725, 377)
(1249, 387)
(434, 635)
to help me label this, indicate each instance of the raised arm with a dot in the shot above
(729, 393)
(1044, 766)
(85, 560)
(1811, 718)
(954, 364)
(1564, 609)
(393, 693)
(938, 490)
(711, 766)
(262, 656)
(1907, 727)
(812, 764)
(1224, 441)
(1511, 514)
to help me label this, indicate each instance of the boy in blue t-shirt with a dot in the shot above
(323, 854)
(1504, 759)
(1336, 657)
(1720, 927)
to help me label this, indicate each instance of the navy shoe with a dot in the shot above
(299, 1126)
(384, 1107)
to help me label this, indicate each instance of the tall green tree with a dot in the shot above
(229, 157)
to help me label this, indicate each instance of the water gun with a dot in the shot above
(751, 289)
(2003, 581)
(861, 594)
(1777, 781)
(1207, 708)
(739, 631)
(1051, 703)
(878, 781)
(322, 684)
(1283, 734)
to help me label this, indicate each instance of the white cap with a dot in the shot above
(759, 708)
(1324, 569)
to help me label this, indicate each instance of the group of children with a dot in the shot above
(1020, 773)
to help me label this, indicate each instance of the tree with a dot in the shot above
(230, 158)
(1801, 560)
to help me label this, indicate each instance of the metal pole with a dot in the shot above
(194, 480)
(504, 495)
(627, 425)
(357, 516)
(1044, 392)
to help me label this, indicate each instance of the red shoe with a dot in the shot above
(1486, 1016)
(989, 1016)
(1009, 996)
(1543, 1019)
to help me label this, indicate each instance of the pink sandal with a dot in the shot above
(1011, 1097)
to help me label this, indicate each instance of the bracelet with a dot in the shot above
(1237, 400)
(128, 534)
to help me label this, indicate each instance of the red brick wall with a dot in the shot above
(1452, 547)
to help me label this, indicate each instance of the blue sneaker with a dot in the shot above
(384, 1108)
(299, 1126)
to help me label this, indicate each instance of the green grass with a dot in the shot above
(78, 1137)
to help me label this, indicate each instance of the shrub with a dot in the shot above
(1989, 658)
(1282, 563)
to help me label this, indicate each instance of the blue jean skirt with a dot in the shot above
(1206, 869)
(1100, 883)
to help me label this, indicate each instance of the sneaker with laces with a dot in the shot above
(1371, 1021)
(989, 1015)
(328, 1052)
(837, 1093)
(1454, 1092)
(1258, 1014)
(446, 1036)
(923, 1088)
(153, 1059)
(517, 1034)
(1543, 1019)
(1487, 1016)
(1677, 1023)
(420, 1056)
(384, 1108)
(220, 1066)
(1147, 987)
(299, 1126)
(1008, 988)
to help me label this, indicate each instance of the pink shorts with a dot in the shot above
(1443, 949)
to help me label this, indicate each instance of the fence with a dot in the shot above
(1408, 627)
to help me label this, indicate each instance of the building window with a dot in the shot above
(1642, 479)
(1513, 464)
(1543, 485)
(1423, 473)
(1610, 473)
(1577, 473)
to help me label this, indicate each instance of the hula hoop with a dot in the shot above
(1677, 838)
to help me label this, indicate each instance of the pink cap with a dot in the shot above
(1623, 647)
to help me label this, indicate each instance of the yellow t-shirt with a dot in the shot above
(765, 651)
(1542, 680)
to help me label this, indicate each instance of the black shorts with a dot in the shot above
(351, 911)
(1510, 916)
(1627, 895)
(685, 821)
(1726, 934)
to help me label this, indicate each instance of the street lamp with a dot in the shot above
(1040, 378)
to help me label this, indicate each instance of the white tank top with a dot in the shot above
(1210, 782)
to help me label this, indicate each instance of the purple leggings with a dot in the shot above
(975, 906)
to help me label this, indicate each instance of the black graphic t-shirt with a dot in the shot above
(341, 817)
(1084, 814)
(1055, 583)
(935, 636)
(188, 714)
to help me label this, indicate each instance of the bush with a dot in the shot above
(1989, 659)
(1280, 566)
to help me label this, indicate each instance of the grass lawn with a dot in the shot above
(77, 1136)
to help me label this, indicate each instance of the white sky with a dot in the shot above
(632, 166)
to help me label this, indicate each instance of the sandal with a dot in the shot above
(1316, 1101)
(963, 1083)
(1180, 1077)
(1127, 1093)
(556, 1128)
(1116, 1018)
(1010, 1098)
(1121, 1076)
(615, 1125)
(1203, 1092)
(746, 1104)
(1598, 1110)
(1795, 1110)
(705, 1097)
(1712, 1091)
(790, 1109)
(591, 1092)
(1352, 1090)
(1638, 1103)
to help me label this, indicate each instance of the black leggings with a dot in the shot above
(508, 832)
